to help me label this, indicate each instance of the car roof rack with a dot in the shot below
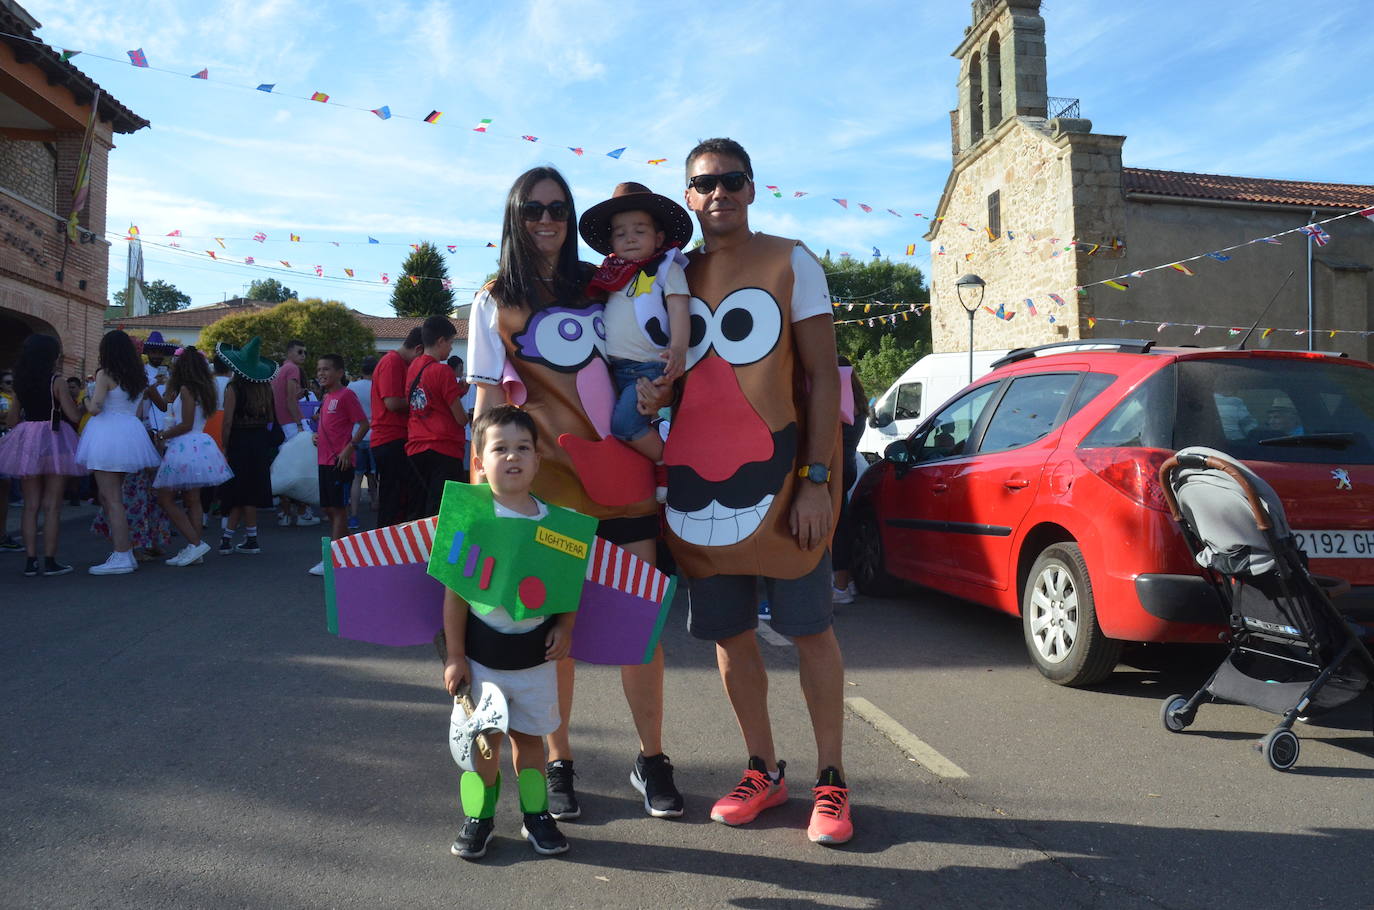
(1120, 345)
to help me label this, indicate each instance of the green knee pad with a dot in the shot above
(534, 791)
(478, 800)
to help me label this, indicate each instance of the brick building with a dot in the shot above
(1028, 168)
(45, 104)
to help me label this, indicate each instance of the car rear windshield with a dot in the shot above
(1277, 409)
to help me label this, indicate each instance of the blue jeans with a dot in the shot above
(626, 422)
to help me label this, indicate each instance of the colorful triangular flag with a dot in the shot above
(774, 190)
(843, 203)
(137, 57)
(433, 117)
(321, 97)
(894, 212)
(203, 74)
(348, 272)
(866, 208)
(1119, 285)
(481, 126)
(285, 263)
(799, 193)
(1057, 299)
(911, 249)
(490, 245)
(1030, 307)
(576, 151)
(1319, 236)
(260, 237)
(453, 248)
(656, 160)
(220, 241)
(373, 240)
(267, 87)
(1180, 267)
(295, 238)
(413, 279)
(176, 233)
(386, 279)
(616, 153)
(319, 271)
(530, 138)
(68, 54)
(384, 112)
(248, 260)
(1220, 257)
(211, 254)
(1092, 323)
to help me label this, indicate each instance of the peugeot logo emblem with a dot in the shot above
(1342, 478)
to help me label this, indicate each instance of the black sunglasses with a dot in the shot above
(705, 184)
(534, 211)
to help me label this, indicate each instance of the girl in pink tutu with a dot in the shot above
(192, 460)
(115, 443)
(41, 447)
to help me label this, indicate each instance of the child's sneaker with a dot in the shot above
(308, 520)
(562, 798)
(226, 545)
(830, 822)
(31, 569)
(653, 777)
(9, 545)
(53, 567)
(473, 839)
(841, 595)
(353, 523)
(542, 832)
(756, 792)
(249, 545)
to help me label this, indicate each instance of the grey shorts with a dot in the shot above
(723, 606)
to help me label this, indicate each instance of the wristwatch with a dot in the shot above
(816, 473)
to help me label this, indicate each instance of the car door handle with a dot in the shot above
(1018, 483)
(939, 487)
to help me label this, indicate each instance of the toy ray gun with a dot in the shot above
(470, 722)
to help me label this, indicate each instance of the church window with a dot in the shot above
(975, 97)
(994, 81)
(995, 214)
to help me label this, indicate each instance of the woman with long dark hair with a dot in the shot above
(535, 339)
(115, 442)
(41, 447)
(192, 460)
(248, 412)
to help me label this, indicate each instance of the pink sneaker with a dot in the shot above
(755, 792)
(830, 823)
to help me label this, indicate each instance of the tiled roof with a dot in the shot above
(202, 316)
(400, 326)
(1245, 189)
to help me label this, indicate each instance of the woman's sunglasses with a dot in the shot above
(705, 184)
(534, 211)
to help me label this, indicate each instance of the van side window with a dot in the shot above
(908, 401)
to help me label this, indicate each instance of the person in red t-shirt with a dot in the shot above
(435, 429)
(397, 485)
(343, 424)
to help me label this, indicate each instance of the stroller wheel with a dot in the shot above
(1280, 749)
(1175, 719)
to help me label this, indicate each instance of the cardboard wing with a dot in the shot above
(376, 587)
(623, 609)
(529, 568)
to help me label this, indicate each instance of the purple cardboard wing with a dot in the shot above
(377, 588)
(623, 609)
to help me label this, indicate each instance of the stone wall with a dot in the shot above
(29, 169)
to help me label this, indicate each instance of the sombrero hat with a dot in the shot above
(246, 361)
(154, 344)
(595, 224)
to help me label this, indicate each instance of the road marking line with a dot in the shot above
(773, 638)
(904, 739)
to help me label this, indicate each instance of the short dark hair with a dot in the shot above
(413, 339)
(455, 362)
(295, 343)
(435, 329)
(335, 360)
(721, 146)
(499, 416)
(368, 365)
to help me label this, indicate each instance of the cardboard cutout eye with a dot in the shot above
(747, 326)
(564, 339)
(700, 320)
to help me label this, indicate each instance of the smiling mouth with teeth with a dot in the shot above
(723, 513)
(717, 525)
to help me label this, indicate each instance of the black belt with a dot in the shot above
(503, 651)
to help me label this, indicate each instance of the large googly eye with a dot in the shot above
(563, 339)
(747, 326)
(700, 321)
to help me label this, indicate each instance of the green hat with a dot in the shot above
(246, 362)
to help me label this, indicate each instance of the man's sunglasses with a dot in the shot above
(534, 211)
(705, 184)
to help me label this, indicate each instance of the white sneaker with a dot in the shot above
(317, 568)
(283, 520)
(117, 564)
(178, 560)
(841, 595)
(307, 520)
(190, 555)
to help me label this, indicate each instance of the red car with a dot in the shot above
(1036, 489)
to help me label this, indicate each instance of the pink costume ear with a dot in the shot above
(512, 385)
(597, 394)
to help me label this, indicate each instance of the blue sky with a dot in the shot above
(839, 100)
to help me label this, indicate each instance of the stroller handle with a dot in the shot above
(1197, 461)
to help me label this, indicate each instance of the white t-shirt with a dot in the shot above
(363, 389)
(486, 358)
(221, 383)
(624, 337)
(499, 619)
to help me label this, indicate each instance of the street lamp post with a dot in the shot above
(972, 286)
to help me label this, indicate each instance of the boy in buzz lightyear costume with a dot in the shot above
(513, 645)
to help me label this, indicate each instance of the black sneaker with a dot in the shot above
(9, 545)
(542, 832)
(53, 567)
(653, 777)
(31, 568)
(562, 799)
(226, 545)
(473, 839)
(249, 545)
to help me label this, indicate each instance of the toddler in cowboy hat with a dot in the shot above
(646, 318)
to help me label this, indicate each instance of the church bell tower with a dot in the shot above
(1001, 69)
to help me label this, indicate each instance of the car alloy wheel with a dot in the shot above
(1059, 620)
(870, 574)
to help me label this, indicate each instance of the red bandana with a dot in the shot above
(615, 272)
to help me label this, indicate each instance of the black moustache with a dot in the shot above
(688, 491)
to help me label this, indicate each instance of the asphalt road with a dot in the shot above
(194, 738)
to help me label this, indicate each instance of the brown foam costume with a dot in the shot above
(561, 380)
(736, 435)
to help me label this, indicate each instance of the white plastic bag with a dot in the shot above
(295, 471)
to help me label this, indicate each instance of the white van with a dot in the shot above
(926, 385)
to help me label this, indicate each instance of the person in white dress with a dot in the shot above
(191, 460)
(115, 441)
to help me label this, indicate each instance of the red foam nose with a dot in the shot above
(716, 430)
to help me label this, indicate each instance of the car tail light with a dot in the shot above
(1133, 471)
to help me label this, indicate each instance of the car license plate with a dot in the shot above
(1336, 544)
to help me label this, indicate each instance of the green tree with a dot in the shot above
(426, 296)
(271, 290)
(162, 297)
(326, 327)
(878, 289)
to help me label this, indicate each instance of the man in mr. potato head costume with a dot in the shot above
(754, 477)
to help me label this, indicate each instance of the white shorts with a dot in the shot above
(290, 429)
(531, 695)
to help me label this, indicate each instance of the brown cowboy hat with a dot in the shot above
(595, 224)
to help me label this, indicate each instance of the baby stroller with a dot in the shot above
(1292, 652)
